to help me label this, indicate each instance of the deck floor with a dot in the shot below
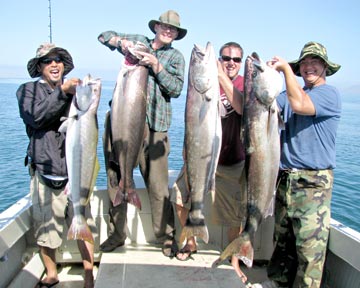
(145, 266)
(72, 276)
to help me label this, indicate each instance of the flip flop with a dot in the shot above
(186, 251)
(48, 285)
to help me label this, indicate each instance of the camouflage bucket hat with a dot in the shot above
(170, 18)
(314, 49)
(43, 50)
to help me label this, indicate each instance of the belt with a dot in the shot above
(294, 170)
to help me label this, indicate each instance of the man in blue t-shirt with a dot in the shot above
(302, 212)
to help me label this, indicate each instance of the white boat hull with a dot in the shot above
(21, 266)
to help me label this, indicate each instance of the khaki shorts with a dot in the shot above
(180, 194)
(50, 209)
(229, 200)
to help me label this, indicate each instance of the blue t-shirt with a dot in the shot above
(308, 142)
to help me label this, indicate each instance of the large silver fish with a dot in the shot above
(202, 139)
(128, 117)
(261, 135)
(81, 129)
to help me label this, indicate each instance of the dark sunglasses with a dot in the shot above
(166, 27)
(228, 58)
(49, 60)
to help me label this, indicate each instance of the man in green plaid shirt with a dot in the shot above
(165, 81)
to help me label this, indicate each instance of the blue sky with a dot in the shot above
(277, 27)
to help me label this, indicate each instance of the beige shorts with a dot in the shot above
(229, 201)
(180, 194)
(50, 209)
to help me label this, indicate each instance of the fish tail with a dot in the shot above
(119, 197)
(133, 198)
(200, 231)
(241, 247)
(79, 230)
(246, 250)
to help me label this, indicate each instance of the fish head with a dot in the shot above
(132, 57)
(261, 80)
(202, 68)
(87, 94)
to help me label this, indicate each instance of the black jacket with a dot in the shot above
(41, 109)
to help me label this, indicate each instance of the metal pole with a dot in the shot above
(50, 25)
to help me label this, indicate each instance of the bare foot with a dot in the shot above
(185, 253)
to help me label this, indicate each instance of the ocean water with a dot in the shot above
(14, 179)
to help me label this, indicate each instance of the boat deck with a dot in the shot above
(136, 265)
(140, 263)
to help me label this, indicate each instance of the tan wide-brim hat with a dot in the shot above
(171, 18)
(314, 49)
(43, 50)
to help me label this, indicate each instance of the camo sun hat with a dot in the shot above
(171, 18)
(43, 50)
(314, 49)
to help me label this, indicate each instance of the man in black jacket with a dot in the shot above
(42, 103)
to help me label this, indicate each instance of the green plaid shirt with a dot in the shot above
(163, 86)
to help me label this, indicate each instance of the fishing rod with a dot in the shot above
(50, 24)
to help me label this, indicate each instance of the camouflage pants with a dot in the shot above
(302, 222)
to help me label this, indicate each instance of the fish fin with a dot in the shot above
(217, 262)
(133, 198)
(203, 112)
(211, 185)
(202, 85)
(281, 122)
(222, 109)
(79, 230)
(241, 247)
(112, 182)
(270, 209)
(95, 174)
(271, 123)
(93, 182)
(63, 127)
(200, 231)
(119, 197)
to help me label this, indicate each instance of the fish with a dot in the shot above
(81, 128)
(128, 118)
(261, 135)
(202, 137)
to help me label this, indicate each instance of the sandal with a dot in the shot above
(187, 252)
(41, 284)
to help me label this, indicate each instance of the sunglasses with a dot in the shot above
(228, 58)
(168, 27)
(49, 60)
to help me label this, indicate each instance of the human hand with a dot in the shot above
(69, 86)
(147, 59)
(150, 60)
(278, 63)
(221, 72)
(125, 44)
